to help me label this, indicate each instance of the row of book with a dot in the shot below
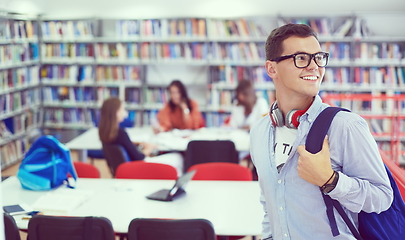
(338, 52)
(388, 103)
(69, 96)
(380, 127)
(18, 30)
(17, 78)
(118, 74)
(18, 101)
(63, 95)
(380, 77)
(68, 116)
(19, 124)
(379, 51)
(323, 26)
(239, 28)
(184, 51)
(50, 51)
(189, 28)
(133, 96)
(231, 75)
(118, 51)
(14, 54)
(161, 28)
(67, 73)
(155, 95)
(215, 119)
(13, 151)
(121, 52)
(238, 51)
(67, 30)
(377, 77)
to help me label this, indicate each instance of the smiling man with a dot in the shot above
(348, 168)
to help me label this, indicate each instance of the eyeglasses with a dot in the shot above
(302, 60)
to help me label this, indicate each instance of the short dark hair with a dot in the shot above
(243, 86)
(274, 43)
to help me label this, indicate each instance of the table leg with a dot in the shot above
(81, 155)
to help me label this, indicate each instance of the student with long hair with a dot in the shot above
(112, 114)
(180, 112)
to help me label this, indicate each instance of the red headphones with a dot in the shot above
(291, 118)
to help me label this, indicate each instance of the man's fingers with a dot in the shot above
(301, 149)
(325, 145)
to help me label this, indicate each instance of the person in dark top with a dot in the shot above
(112, 114)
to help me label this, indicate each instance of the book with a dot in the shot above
(62, 201)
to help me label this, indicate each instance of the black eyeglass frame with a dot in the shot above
(312, 56)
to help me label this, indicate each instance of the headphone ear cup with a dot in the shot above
(276, 117)
(291, 119)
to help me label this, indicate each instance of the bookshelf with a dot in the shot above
(67, 73)
(19, 86)
(81, 62)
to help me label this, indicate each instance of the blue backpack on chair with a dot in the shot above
(387, 225)
(46, 165)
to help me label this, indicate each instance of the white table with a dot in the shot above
(175, 140)
(233, 207)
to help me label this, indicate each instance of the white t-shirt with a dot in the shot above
(238, 118)
(285, 138)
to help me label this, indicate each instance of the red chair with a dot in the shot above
(224, 171)
(145, 170)
(85, 170)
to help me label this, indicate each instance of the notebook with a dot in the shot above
(177, 190)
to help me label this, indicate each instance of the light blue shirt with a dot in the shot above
(293, 208)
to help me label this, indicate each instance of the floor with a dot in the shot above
(99, 163)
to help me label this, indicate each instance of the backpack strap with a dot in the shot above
(313, 144)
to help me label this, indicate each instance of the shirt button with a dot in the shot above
(285, 235)
(281, 208)
(272, 154)
(279, 181)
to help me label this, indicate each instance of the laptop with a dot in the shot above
(177, 190)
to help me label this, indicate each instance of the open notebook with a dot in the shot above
(175, 191)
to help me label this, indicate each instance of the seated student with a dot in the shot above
(112, 114)
(248, 108)
(180, 112)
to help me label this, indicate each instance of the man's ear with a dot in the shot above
(270, 68)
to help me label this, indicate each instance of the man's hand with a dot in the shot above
(315, 168)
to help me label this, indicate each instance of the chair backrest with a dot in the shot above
(210, 151)
(221, 171)
(85, 170)
(145, 170)
(10, 228)
(42, 227)
(114, 155)
(163, 229)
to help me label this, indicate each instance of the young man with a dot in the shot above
(349, 166)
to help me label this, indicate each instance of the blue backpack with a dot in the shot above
(46, 165)
(387, 225)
